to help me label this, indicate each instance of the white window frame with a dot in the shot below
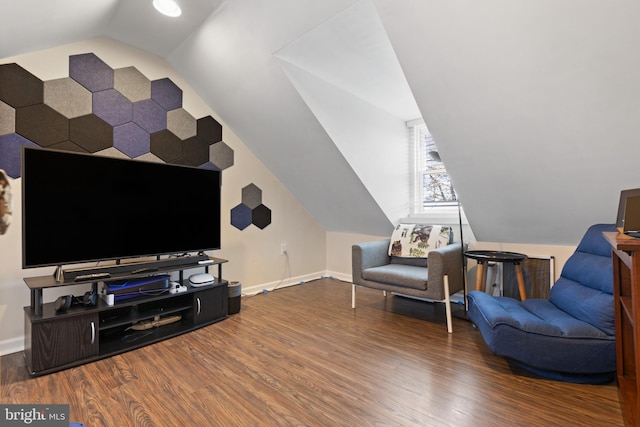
(420, 166)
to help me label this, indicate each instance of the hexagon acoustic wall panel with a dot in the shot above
(166, 94)
(91, 72)
(132, 84)
(251, 210)
(113, 112)
(98, 109)
(67, 97)
(252, 196)
(181, 123)
(131, 140)
(7, 119)
(18, 87)
(91, 133)
(42, 124)
(11, 151)
(112, 107)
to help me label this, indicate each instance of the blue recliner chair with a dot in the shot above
(571, 336)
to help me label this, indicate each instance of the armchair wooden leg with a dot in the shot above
(353, 296)
(447, 303)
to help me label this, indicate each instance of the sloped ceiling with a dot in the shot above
(347, 73)
(533, 104)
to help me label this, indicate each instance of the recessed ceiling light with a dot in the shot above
(167, 7)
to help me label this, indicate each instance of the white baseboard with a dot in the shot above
(299, 280)
(12, 345)
(271, 286)
(340, 276)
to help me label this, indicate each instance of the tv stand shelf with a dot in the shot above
(37, 284)
(56, 341)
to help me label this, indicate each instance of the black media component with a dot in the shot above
(63, 303)
(80, 208)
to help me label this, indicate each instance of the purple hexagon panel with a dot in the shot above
(166, 94)
(91, 72)
(128, 112)
(251, 210)
(112, 107)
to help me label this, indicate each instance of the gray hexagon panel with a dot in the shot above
(98, 109)
(132, 84)
(7, 119)
(252, 196)
(68, 97)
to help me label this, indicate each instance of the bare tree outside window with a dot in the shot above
(435, 179)
(431, 183)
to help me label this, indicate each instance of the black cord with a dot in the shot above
(136, 336)
(463, 259)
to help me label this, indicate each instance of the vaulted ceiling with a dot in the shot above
(533, 104)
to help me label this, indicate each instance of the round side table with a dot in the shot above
(483, 257)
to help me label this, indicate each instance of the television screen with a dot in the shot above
(80, 207)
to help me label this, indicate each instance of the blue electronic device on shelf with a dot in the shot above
(131, 288)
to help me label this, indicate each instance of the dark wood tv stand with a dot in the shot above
(56, 341)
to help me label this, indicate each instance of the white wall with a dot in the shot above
(339, 252)
(253, 254)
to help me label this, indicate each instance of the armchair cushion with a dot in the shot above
(533, 316)
(538, 334)
(398, 274)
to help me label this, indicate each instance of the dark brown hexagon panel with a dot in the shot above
(209, 130)
(91, 133)
(195, 151)
(166, 146)
(42, 124)
(18, 87)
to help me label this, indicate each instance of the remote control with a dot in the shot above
(144, 270)
(92, 276)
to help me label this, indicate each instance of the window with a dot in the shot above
(430, 183)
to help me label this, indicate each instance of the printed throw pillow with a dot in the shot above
(416, 240)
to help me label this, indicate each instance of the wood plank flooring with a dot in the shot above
(301, 356)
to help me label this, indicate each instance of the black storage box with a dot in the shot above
(235, 296)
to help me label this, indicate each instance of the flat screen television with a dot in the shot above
(78, 208)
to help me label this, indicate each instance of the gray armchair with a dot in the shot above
(436, 277)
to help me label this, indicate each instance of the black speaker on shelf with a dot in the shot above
(63, 303)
